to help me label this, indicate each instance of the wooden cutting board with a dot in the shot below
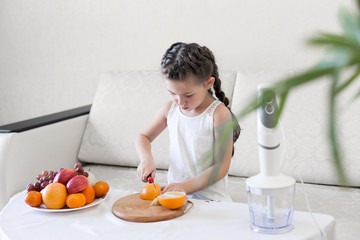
(133, 208)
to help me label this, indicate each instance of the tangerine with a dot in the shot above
(150, 191)
(33, 198)
(75, 200)
(89, 193)
(101, 188)
(54, 195)
(172, 200)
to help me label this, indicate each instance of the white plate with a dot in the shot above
(66, 209)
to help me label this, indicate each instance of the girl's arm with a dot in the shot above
(222, 155)
(144, 139)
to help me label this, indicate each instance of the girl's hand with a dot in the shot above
(179, 187)
(146, 169)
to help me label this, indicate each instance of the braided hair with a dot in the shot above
(182, 60)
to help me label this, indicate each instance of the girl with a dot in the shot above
(199, 160)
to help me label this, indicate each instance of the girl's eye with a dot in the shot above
(188, 96)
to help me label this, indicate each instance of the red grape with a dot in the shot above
(77, 165)
(37, 186)
(80, 170)
(30, 187)
(48, 177)
(44, 184)
(42, 179)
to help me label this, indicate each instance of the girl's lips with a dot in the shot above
(184, 108)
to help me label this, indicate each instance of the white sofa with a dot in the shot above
(103, 140)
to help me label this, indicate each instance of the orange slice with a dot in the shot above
(172, 200)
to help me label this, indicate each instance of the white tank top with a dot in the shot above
(191, 139)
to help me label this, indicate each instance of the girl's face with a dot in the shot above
(190, 96)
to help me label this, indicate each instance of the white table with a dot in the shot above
(206, 220)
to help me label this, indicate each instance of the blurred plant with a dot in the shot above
(342, 54)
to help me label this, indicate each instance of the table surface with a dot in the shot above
(205, 220)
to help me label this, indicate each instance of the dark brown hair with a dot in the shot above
(182, 60)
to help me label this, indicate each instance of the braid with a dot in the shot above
(182, 59)
(221, 95)
(217, 83)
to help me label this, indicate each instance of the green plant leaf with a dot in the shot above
(350, 23)
(250, 107)
(223, 134)
(333, 40)
(283, 98)
(337, 57)
(348, 82)
(333, 133)
(315, 73)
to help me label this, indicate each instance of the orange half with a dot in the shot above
(172, 200)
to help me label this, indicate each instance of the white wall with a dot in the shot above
(51, 52)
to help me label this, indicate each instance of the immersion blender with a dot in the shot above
(270, 193)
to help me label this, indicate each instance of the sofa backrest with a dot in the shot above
(124, 103)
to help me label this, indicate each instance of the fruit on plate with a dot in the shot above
(33, 198)
(54, 195)
(75, 200)
(65, 175)
(101, 188)
(91, 178)
(89, 193)
(77, 184)
(52, 188)
(150, 191)
(172, 200)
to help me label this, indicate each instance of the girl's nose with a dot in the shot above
(181, 101)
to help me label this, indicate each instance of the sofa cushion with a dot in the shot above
(124, 103)
(305, 144)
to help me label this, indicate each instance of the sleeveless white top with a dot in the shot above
(191, 140)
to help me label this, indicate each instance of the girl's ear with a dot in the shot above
(210, 82)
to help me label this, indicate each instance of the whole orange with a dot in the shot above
(150, 191)
(172, 200)
(101, 188)
(75, 200)
(89, 193)
(54, 195)
(33, 198)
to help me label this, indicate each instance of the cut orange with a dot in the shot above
(150, 191)
(172, 200)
